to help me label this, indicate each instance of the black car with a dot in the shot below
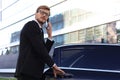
(87, 62)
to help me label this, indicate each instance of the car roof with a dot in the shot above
(87, 44)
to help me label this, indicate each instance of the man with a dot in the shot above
(33, 51)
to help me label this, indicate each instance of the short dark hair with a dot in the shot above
(42, 7)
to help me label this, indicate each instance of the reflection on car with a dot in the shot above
(87, 61)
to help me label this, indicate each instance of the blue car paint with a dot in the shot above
(89, 61)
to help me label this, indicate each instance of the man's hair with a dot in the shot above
(42, 7)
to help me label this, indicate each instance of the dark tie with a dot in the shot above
(42, 32)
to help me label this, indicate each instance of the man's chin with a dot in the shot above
(41, 22)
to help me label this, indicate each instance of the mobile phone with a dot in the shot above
(46, 24)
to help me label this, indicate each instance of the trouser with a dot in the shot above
(27, 77)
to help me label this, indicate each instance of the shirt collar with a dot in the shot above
(38, 23)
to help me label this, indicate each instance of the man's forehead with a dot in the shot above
(44, 10)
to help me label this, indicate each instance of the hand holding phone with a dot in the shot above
(49, 29)
(46, 24)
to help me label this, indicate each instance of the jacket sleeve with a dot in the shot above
(49, 44)
(35, 36)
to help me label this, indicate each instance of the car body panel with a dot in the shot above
(88, 61)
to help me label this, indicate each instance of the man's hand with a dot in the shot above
(49, 30)
(57, 71)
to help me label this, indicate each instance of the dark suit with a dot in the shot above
(33, 51)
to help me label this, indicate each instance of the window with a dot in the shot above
(81, 34)
(58, 40)
(89, 34)
(91, 56)
(70, 55)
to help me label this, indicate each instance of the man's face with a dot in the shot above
(42, 15)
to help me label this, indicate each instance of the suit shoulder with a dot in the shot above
(30, 26)
(30, 22)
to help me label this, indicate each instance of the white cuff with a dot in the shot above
(53, 65)
(50, 39)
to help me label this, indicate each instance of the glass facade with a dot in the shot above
(94, 34)
(104, 33)
(81, 35)
(73, 25)
(57, 22)
(59, 40)
(100, 33)
(89, 34)
(111, 32)
(15, 36)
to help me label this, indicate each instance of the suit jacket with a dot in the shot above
(33, 51)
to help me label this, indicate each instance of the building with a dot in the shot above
(72, 23)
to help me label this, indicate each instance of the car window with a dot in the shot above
(69, 56)
(95, 57)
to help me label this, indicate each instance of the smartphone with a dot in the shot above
(46, 24)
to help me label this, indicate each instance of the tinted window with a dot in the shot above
(97, 57)
(69, 56)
